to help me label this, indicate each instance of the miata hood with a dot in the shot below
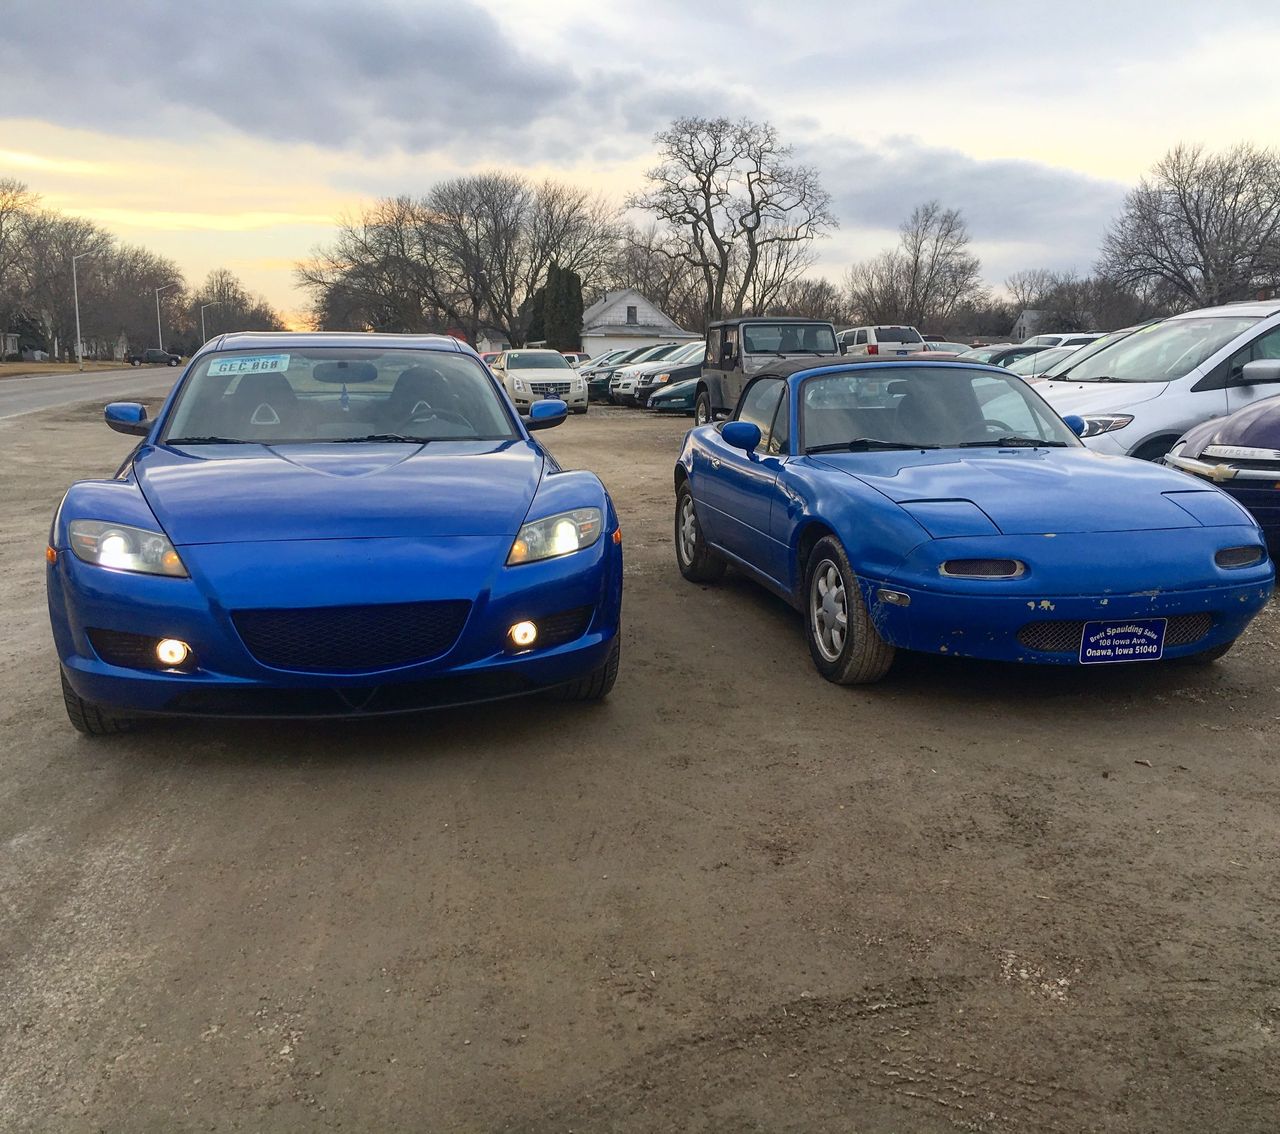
(246, 493)
(1037, 492)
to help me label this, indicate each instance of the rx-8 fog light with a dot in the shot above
(523, 634)
(172, 652)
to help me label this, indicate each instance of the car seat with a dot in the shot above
(417, 392)
(261, 405)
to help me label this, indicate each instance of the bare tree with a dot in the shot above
(1205, 225)
(729, 191)
(371, 278)
(648, 260)
(926, 280)
(16, 204)
(876, 289)
(941, 272)
(778, 263)
(810, 299)
(469, 255)
(231, 307)
(1029, 287)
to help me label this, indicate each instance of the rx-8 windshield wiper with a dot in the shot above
(208, 441)
(1013, 443)
(863, 445)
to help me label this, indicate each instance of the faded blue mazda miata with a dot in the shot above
(332, 525)
(946, 508)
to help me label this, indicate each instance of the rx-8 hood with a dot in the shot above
(250, 493)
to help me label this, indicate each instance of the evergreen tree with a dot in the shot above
(571, 284)
(536, 305)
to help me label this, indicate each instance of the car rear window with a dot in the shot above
(788, 338)
(898, 335)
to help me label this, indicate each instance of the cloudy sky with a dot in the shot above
(232, 133)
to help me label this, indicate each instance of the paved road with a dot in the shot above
(48, 391)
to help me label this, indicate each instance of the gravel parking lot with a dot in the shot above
(733, 897)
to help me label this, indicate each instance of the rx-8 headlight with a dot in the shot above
(124, 548)
(556, 535)
(1095, 423)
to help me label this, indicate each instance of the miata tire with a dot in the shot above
(846, 648)
(697, 562)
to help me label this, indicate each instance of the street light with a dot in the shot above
(75, 288)
(204, 338)
(159, 331)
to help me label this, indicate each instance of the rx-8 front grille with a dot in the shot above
(351, 639)
(1063, 637)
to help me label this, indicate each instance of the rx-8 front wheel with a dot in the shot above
(846, 648)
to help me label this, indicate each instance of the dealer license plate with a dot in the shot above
(1139, 639)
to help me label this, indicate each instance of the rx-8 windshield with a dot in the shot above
(292, 396)
(925, 407)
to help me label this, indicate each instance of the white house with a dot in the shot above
(626, 319)
(1027, 325)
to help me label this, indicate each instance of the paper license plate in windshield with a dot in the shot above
(1140, 639)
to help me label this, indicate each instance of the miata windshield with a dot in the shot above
(283, 396)
(925, 407)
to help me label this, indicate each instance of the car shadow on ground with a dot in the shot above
(978, 684)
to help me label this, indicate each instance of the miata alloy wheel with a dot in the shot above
(845, 645)
(829, 610)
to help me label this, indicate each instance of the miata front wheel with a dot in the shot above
(697, 562)
(846, 648)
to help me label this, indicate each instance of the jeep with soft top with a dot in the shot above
(740, 347)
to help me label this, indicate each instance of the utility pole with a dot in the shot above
(75, 288)
(204, 338)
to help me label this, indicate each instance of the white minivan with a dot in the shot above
(1140, 394)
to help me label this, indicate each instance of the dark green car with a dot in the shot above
(679, 397)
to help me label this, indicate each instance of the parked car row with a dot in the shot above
(419, 556)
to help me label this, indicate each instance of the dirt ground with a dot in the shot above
(731, 898)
